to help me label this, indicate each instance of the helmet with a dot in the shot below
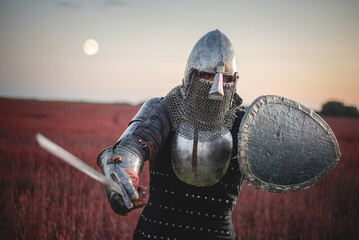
(212, 54)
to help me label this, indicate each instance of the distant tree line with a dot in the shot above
(333, 108)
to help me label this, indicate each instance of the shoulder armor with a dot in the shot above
(146, 110)
(141, 116)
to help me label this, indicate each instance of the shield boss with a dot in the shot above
(284, 146)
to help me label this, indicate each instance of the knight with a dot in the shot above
(190, 138)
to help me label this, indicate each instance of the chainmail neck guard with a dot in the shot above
(198, 117)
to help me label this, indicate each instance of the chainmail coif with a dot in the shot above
(198, 117)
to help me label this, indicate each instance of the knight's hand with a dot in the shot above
(132, 195)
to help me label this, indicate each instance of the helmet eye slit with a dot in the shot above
(210, 77)
(227, 78)
(206, 75)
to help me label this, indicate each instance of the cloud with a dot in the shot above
(115, 2)
(91, 3)
(68, 4)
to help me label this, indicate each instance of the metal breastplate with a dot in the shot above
(199, 163)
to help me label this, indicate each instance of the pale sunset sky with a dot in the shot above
(305, 50)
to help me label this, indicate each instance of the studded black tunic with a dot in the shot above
(176, 210)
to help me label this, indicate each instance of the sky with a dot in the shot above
(306, 50)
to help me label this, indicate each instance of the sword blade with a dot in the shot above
(70, 159)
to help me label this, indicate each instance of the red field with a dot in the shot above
(43, 198)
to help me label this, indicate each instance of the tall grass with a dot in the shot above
(43, 198)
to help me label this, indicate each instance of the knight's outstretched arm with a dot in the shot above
(142, 139)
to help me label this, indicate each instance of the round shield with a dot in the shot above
(284, 146)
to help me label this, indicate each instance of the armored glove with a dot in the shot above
(122, 168)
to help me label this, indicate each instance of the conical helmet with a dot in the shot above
(212, 54)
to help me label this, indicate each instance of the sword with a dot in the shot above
(70, 159)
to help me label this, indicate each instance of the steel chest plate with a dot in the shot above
(209, 165)
(284, 146)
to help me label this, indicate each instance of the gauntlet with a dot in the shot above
(122, 168)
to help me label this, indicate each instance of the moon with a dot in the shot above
(90, 47)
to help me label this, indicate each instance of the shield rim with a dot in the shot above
(248, 118)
